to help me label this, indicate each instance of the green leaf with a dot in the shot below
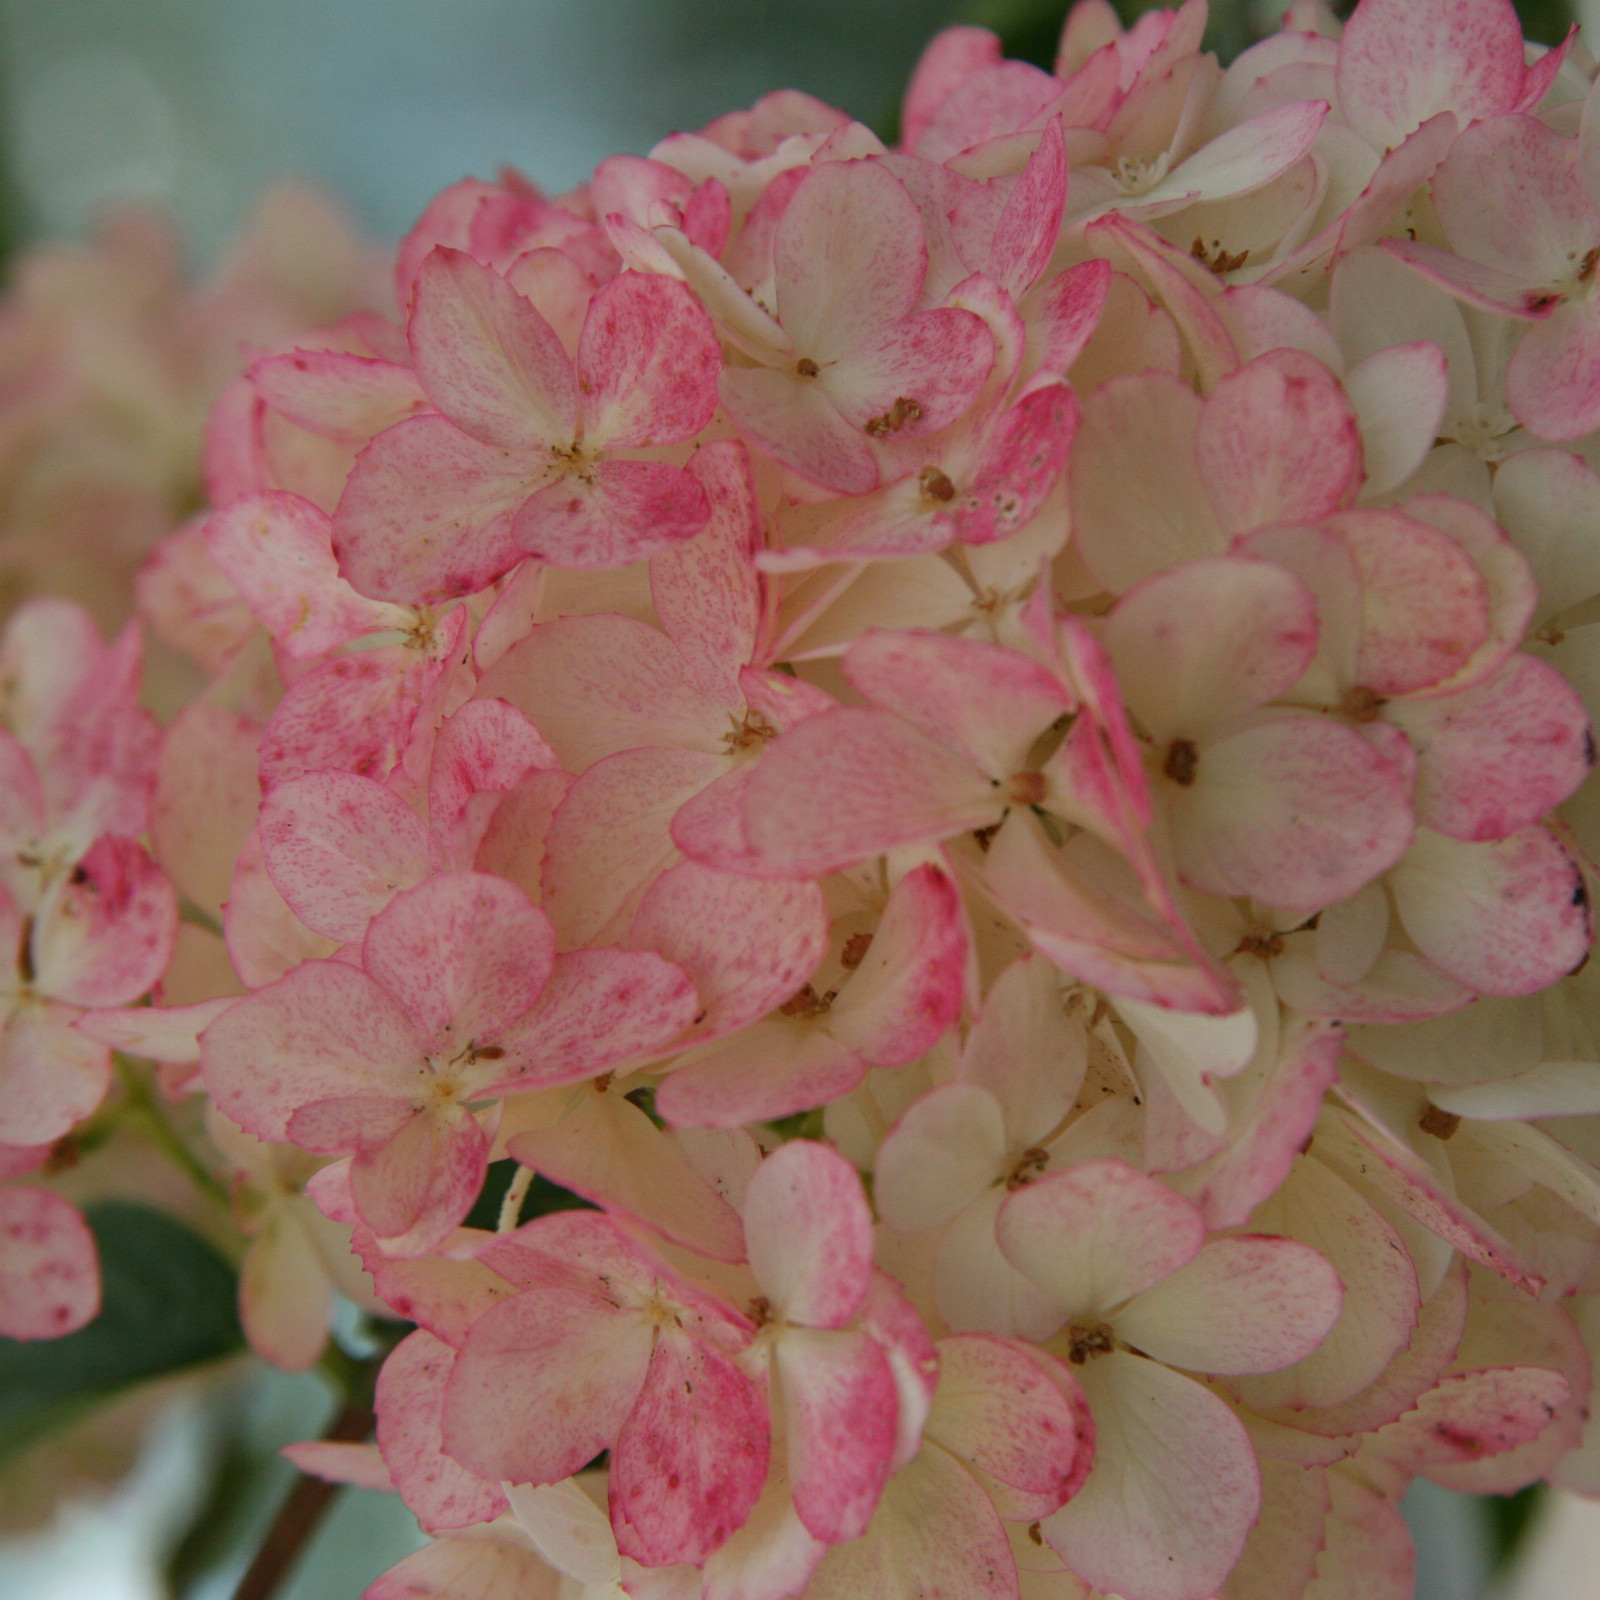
(168, 1302)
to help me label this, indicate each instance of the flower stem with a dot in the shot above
(144, 1108)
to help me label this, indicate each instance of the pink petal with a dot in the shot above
(809, 1234)
(208, 792)
(1174, 1490)
(463, 954)
(1278, 442)
(853, 783)
(1498, 756)
(1382, 1296)
(1247, 156)
(1016, 1416)
(1293, 810)
(426, 514)
(948, 60)
(1401, 62)
(482, 752)
(1511, 197)
(987, 703)
(1424, 604)
(323, 1032)
(1070, 313)
(1508, 917)
(543, 1384)
(1244, 1304)
(689, 1462)
(53, 1076)
(339, 847)
(849, 255)
(411, 1389)
(599, 1008)
(598, 685)
(1471, 282)
(285, 1299)
(1028, 227)
(627, 510)
(1554, 375)
(839, 1408)
(916, 376)
(788, 416)
(992, 99)
(1097, 1234)
(610, 839)
(767, 1070)
(107, 936)
(1112, 940)
(647, 363)
(936, 1533)
(341, 396)
(358, 1465)
(1202, 643)
(355, 713)
(609, 1151)
(1400, 394)
(1022, 461)
(745, 945)
(276, 549)
(49, 1268)
(705, 590)
(487, 359)
(908, 988)
(416, 1188)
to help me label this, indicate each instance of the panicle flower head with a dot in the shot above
(981, 751)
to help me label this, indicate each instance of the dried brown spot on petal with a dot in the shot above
(855, 951)
(904, 410)
(805, 367)
(1183, 761)
(935, 485)
(1441, 1124)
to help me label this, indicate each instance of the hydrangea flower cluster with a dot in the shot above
(984, 747)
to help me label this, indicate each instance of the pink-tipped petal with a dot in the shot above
(809, 1234)
(647, 363)
(907, 990)
(1401, 63)
(839, 1405)
(411, 1386)
(1506, 917)
(543, 1384)
(463, 954)
(1244, 1304)
(1278, 442)
(599, 1008)
(426, 513)
(624, 511)
(1096, 1234)
(339, 847)
(49, 1269)
(277, 550)
(689, 1462)
(487, 359)
(852, 783)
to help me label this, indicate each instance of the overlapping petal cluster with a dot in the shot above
(983, 749)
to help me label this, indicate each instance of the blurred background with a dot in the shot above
(160, 1490)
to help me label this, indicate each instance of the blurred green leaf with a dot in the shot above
(168, 1303)
(1511, 1518)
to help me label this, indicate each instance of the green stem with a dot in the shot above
(143, 1106)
